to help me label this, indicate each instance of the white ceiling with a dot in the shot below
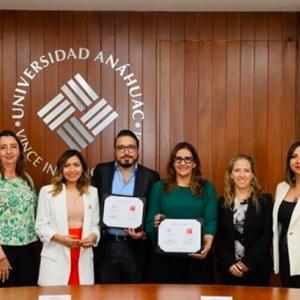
(153, 5)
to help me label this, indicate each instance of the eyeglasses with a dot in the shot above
(187, 159)
(129, 148)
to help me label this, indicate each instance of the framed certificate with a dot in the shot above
(123, 211)
(180, 236)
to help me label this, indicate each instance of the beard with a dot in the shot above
(127, 162)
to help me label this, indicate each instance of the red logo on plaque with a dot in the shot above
(189, 231)
(132, 208)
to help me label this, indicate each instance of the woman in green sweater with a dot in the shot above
(184, 194)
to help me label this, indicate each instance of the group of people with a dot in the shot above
(240, 226)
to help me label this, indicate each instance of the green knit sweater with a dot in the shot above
(181, 203)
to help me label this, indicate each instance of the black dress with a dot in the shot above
(285, 212)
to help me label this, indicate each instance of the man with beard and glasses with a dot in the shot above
(122, 254)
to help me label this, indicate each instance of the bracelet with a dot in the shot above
(3, 258)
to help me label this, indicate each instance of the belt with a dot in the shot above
(118, 238)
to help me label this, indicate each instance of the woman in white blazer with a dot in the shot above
(286, 222)
(67, 223)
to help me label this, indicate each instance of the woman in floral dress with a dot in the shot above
(18, 203)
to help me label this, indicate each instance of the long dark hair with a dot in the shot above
(196, 183)
(21, 161)
(83, 182)
(289, 174)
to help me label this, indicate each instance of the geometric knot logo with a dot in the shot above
(77, 96)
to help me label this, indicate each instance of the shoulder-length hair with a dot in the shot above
(21, 161)
(229, 186)
(289, 174)
(83, 182)
(196, 182)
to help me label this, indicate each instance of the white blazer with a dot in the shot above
(51, 218)
(293, 233)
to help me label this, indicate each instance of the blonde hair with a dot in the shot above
(229, 186)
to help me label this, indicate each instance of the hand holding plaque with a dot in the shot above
(123, 212)
(180, 235)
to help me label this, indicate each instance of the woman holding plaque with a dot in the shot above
(18, 201)
(68, 224)
(286, 222)
(244, 236)
(184, 194)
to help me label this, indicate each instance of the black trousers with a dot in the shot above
(284, 266)
(182, 269)
(118, 263)
(24, 265)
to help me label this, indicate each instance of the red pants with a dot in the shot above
(75, 252)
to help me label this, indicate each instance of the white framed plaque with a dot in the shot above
(180, 236)
(123, 212)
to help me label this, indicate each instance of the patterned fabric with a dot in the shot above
(17, 212)
(239, 216)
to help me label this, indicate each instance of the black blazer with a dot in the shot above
(144, 180)
(104, 174)
(257, 235)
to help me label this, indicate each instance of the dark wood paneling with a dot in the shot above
(51, 140)
(260, 143)
(246, 127)
(37, 42)
(122, 52)
(177, 92)
(93, 42)
(9, 65)
(233, 99)
(288, 95)
(226, 82)
(205, 106)
(163, 104)
(149, 88)
(107, 80)
(136, 58)
(275, 104)
(191, 75)
(218, 112)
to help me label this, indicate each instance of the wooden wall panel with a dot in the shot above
(1, 71)
(37, 43)
(233, 88)
(149, 85)
(68, 38)
(205, 106)
(227, 82)
(275, 104)
(122, 52)
(260, 143)
(136, 58)
(218, 112)
(51, 140)
(177, 92)
(107, 80)
(93, 43)
(190, 109)
(9, 65)
(246, 126)
(163, 104)
(288, 96)
(297, 110)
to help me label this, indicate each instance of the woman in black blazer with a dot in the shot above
(244, 234)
